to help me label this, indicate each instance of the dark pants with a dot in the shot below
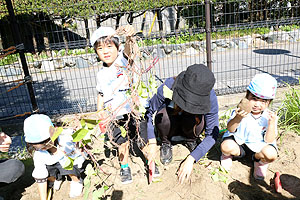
(185, 124)
(11, 170)
(58, 171)
(137, 131)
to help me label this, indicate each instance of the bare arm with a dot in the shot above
(270, 135)
(100, 102)
(235, 122)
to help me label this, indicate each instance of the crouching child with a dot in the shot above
(50, 157)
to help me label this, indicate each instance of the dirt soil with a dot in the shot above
(237, 184)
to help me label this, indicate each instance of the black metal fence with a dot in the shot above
(47, 64)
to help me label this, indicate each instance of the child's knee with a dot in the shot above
(270, 153)
(123, 147)
(228, 145)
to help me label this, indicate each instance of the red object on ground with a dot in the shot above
(151, 170)
(277, 182)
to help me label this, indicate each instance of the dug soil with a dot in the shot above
(207, 182)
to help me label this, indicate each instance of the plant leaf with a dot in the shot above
(123, 131)
(56, 133)
(98, 194)
(69, 164)
(79, 135)
(168, 93)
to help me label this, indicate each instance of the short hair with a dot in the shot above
(250, 93)
(107, 40)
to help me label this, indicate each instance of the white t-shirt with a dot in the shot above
(113, 83)
(251, 131)
(65, 146)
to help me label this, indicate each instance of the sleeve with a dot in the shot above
(211, 129)
(40, 170)
(156, 103)
(99, 85)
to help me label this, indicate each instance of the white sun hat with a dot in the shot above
(36, 128)
(103, 32)
(263, 86)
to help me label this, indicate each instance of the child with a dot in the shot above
(50, 157)
(112, 85)
(253, 132)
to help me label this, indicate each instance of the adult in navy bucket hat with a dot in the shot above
(185, 106)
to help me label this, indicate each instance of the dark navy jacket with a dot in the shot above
(159, 101)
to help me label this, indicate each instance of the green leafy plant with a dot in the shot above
(289, 112)
(219, 174)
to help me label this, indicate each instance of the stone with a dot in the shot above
(222, 43)
(191, 51)
(47, 65)
(158, 52)
(10, 71)
(81, 63)
(242, 45)
(37, 64)
(168, 48)
(232, 45)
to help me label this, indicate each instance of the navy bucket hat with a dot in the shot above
(191, 89)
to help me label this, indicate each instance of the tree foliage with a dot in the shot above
(87, 8)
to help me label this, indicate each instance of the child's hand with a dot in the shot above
(240, 114)
(129, 30)
(271, 116)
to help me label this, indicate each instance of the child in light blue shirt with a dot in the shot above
(253, 132)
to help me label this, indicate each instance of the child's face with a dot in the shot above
(107, 52)
(257, 104)
(47, 144)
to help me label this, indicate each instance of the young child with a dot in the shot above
(253, 132)
(50, 157)
(112, 85)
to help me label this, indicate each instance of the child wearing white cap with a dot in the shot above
(50, 157)
(113, 84)
(253, 132)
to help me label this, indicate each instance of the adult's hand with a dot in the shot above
(129, 30)
(5, 142)
(185, 169)
(151, 150)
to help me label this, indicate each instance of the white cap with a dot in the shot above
(103, 32)
(36, 128)
(263, 86)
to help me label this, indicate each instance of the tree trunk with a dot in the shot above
(87, 31)
(65, 36)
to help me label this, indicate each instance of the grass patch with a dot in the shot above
(289, 112)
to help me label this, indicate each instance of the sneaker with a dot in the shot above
(190, 145)
(57, 184)
(75, 189)
(226, 161)
(165, 153)
(260, 170)
(125, 174)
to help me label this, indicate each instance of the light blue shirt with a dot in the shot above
(251, 131)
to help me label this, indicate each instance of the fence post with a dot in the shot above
(208, 34)
(20, 47)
